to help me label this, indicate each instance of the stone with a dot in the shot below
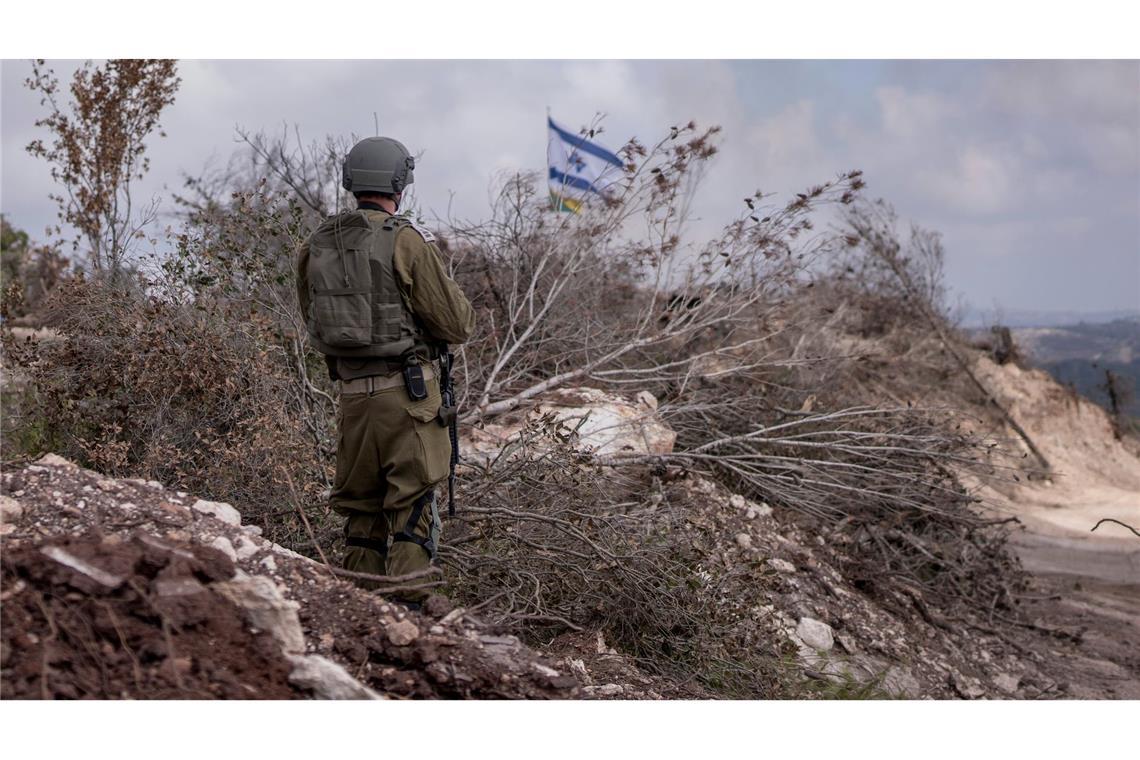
(744, 541)
(1007, 682)
(815, 634)
(605, 424)
(544, 670)
(245, 548)
(781, 565)
(647, 399)
(84, 568)
(10, 509)
(736, 501)
(168, 587)
(222, 511)
(266, 608)
(222, 544)
(269, 563)
(605, 690)
(326, 679)
(403, 632)
(899, 681)
(967, 686)
(55, 460)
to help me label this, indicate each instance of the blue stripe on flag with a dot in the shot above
(571, 181)
(582, 144)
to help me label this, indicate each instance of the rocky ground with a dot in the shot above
(123, 589)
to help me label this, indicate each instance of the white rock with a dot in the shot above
(815, 634)
(178, 587)
(224, 512)
(545, 671)
(763, 510)
(245, 548)
(605, 690)
(899, 681)
(1007, 682)
(266, 608)
(222, 544)
(605, 423)
(737, 501)
(326, 679)
(648, 399)
(54, 460)
(403, 632)
(781, 565)
(269, 563)
(253, 530)
(744, 541)
(100, 576)
(10, 509)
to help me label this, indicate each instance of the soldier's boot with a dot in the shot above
(366, 546)
(415, 536)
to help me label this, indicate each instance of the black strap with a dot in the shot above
(408, 533)
(375, 544)
(370, 206)
(447, 391)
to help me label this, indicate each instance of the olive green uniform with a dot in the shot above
(391, 450)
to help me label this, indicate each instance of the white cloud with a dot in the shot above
(911, 115)
(990, 155)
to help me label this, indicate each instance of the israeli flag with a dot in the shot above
(578, 168)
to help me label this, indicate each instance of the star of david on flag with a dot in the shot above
(578, 168)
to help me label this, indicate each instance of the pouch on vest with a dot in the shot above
(340, 283)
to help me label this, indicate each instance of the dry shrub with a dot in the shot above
(549, 540)
(796, 367)
(27, 273)
(186, 394)
(195, 370)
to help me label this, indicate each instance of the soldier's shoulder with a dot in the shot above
(423, 232)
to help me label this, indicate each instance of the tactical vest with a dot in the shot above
(356, 308)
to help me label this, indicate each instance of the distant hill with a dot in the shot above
(1080, 354)
(973, 318)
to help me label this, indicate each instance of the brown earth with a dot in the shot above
(115, 588)
(150, 627)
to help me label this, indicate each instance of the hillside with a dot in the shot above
(113, 587)
(1079, 355)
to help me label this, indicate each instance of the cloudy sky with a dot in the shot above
(1031, 170)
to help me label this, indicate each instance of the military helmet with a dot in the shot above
(378, 165)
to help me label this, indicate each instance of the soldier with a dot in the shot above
(379, 304)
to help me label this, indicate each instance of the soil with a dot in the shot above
(153, 630)
(108, 592)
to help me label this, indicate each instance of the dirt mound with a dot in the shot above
(1094, 474)
(115, 588)
(105, 618)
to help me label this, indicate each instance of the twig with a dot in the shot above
(1112, 520)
